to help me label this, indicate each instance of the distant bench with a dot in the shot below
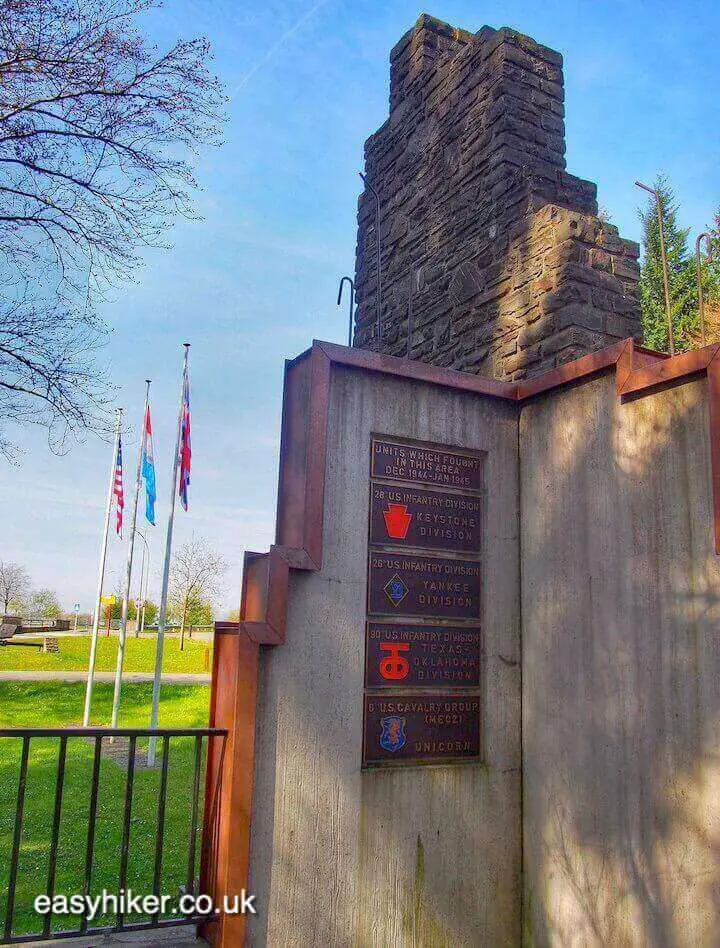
(41, 625)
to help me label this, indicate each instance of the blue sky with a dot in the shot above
(254, 281)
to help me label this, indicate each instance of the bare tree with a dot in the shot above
(96, 128)
(196, 572)
(47, 376)
(15, 585)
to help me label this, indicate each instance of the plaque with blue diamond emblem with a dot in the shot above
(435, 586)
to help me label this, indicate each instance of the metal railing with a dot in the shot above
(96, 736)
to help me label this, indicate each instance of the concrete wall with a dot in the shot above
(621, 670)
(420, 856)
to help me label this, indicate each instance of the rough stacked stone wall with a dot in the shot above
(512, 272)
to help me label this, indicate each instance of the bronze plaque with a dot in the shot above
(432, 519)
(425, 465)
(408, 656)
(421, 727)
(406, 585)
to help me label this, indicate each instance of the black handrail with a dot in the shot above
(160, 836)
(111, 731)
(98, 734)
(57, 811)
(17, 832)
(92, 813)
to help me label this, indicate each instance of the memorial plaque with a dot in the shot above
(425, 465)
(402, 584)
(432, 505)
(402, 656)
(410, 516)
(421, 727)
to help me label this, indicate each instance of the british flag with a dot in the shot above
(118, 490)
(185, 451)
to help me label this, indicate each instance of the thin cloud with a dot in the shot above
(278, 45)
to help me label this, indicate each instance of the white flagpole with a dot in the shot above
(162, 615)
(101, 577)
(140, 603)
(128, 570)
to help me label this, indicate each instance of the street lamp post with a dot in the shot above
(144, 571)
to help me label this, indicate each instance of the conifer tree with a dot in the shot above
(681, 276)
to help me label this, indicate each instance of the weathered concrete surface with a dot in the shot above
(621, 670)
(423, 856)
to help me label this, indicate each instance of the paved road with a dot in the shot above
(71, 676)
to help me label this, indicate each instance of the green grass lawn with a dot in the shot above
(139, 655)
(56, 704)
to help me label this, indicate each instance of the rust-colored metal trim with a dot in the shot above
(583, 368)
(643, 378)
(301, 493)
(418, 371)
(230, 779)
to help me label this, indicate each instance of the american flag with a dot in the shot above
(185, 452)
(118, 490)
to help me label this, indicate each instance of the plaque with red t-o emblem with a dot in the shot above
(408, 656)
(423, 634)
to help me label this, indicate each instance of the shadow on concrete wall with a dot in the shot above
(621, 669)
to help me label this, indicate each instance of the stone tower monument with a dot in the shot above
(492, 249)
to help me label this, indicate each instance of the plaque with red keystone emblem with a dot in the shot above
(405, 656)
(427, 519)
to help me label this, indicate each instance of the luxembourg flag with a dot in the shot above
(148, 469)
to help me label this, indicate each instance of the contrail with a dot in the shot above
(273, 49)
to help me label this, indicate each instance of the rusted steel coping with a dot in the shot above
(419, 371)
(675, 369)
